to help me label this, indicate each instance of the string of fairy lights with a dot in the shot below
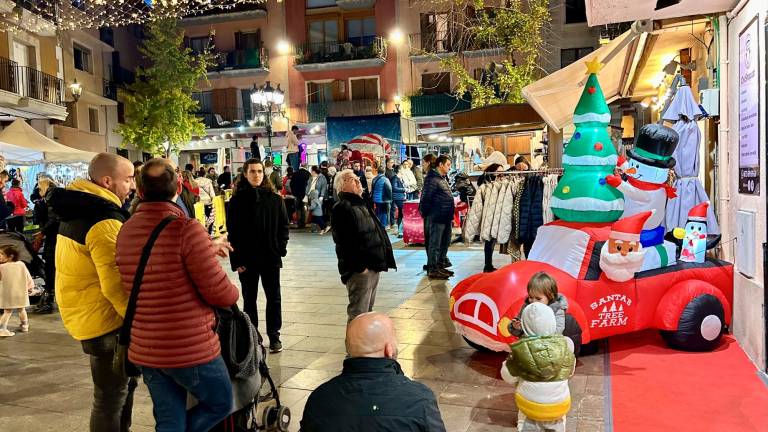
(49, 16)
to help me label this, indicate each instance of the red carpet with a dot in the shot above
(656, 388)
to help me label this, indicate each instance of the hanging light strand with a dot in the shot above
(58, 15)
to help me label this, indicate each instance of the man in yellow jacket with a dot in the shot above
(91, 298)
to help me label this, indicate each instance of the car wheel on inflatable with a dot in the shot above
(701, 325)
(477, 346)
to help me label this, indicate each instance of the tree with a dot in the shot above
(159, 109)
(515, 27)
(582, 194)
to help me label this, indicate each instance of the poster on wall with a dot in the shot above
(749, 109)
(342, 130)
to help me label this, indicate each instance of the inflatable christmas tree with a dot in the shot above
(582, 194)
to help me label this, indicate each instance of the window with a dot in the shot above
(478, 73)
(434, 83)
(204, 101)
(320, 3)
(435, 36)
(575, 11)
(83, 58)
(248, 41)
(361, 32)
(364, 88)
(198, 44)
(123, 152)
(325, 92)
(93, 119)
(322, 32)
(570, 55)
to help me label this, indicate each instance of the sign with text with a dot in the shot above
(749, 110)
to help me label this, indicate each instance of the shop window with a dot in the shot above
(83, 58)
(361, 32)
(364, 88)
(434, 83)
(93, 119)
(575, 11)
(570, 55)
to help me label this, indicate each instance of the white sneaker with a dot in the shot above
(24, 327)
(6, 333)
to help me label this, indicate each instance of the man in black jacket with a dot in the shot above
(437, 207)
(299, 182)
(372, 393)
(362, 245)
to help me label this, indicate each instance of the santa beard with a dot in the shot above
(620, 268)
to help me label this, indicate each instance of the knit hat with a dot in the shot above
(629, 228)
(699, 212)
(538, 319)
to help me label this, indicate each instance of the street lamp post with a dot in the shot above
(266, 98)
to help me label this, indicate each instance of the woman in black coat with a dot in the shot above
(257, 224)
(49, 230)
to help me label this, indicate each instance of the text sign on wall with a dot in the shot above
(749, 110)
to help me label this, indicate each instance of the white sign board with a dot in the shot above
(749, 109)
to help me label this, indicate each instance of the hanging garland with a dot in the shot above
(49, 16)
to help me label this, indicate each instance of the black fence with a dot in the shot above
(223, 118)
(361, 48)
(254, 58)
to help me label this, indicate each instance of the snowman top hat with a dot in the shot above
(699, 212)
(654, 146)
(628, 229)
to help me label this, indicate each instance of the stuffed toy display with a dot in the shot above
(581, 194)
(622, 255)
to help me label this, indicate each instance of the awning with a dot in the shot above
(21, 144)
(601, 12)
(633, 66)
(495, 119)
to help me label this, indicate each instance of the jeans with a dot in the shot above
(392, 213)
(437, 246)
(399, 205)
(210, 385)
(319, 221)
(361, 289)
(270, 280)
(112, 393)
(426, 236)
(382, 212)
(293, 161)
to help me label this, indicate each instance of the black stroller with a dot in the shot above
(30, 258)
(249, 371)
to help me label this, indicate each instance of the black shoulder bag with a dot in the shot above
(120, 363)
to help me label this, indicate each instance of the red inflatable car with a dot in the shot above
(690, 303)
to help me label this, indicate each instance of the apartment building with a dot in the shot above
(31, 81)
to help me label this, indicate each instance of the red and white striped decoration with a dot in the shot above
(370, 143)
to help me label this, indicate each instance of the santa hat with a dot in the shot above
(629, 228)
(699, 212)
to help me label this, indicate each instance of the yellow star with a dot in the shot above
(594, 66)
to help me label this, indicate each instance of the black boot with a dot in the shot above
(45, 306)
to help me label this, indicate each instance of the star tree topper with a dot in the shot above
(593, 66)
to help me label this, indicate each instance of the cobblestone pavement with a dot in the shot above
(47, 386)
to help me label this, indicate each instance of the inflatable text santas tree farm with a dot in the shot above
(581, 194)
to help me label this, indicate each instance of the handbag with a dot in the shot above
(239, 341)
(120, 363)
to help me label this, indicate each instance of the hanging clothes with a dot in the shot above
(531, 210)
(550, 183)
(690, 192)
(471, 226)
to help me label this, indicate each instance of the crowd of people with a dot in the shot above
(128, 235)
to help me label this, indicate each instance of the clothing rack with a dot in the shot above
(558, 171)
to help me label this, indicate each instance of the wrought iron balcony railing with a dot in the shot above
(29, 82)
(360, 48)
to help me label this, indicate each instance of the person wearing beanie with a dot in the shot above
(543, 361)
(622, 255)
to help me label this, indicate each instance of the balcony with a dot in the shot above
(241, 62)
(109, 90)
(317, 112)
(354, 53)
(437, 104)
(28, 82)
(223, 118)
(425, 45)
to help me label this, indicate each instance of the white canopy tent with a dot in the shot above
(21, 144)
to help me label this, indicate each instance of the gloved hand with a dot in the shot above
(613, 180)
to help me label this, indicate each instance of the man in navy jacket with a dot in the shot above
(437, 208)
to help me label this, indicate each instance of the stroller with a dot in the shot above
(249, 371)
(30, 258)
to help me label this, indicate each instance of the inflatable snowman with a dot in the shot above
(645, 188)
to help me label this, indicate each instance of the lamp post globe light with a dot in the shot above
(265, 98)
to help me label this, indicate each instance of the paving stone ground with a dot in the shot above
(47, 386)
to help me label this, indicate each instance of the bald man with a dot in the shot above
(372, 394)
(91, 298)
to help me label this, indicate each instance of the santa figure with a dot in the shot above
(694, 246)
(622, 255)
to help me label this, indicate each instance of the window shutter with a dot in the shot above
(238, 41)
(339, 91)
